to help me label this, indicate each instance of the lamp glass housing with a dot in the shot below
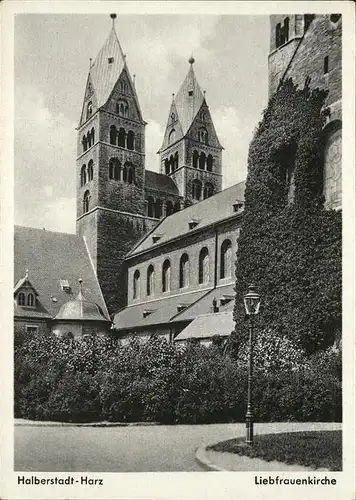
(252, 301)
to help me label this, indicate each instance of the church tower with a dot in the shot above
(191, 152)
(110, 169)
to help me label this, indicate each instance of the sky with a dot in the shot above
(52, 55)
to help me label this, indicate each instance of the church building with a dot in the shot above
(154, 252)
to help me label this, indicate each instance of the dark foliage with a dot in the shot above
(290, 246)
(99, 379)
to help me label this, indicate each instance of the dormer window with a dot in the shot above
(334, 18)
(181, 307)
(110, 60)
(238, 205)
(21, 299)
(30, 300)
(155, 238)
(147, 312)
(65, 286)
(225, 299)
(193, 223)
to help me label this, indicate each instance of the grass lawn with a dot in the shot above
(317, 449)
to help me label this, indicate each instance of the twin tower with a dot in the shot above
(118, 200)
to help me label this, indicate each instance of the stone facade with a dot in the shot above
(312, 52)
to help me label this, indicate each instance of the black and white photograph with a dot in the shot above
(181, 202)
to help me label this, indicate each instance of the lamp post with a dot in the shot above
(252, 303)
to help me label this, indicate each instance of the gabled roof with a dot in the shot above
(50, 257)
(210, 211)
(103, 74)
(24, 282)
(160, 182)
(207, 326)
(189, 100)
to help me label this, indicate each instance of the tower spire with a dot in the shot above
(113, 17)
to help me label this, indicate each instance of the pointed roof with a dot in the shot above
(189, 99)
(104, 74)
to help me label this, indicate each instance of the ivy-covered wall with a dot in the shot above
(290, 245)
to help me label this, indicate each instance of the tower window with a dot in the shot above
(203, 136)
(86, 202)
(84, 143)
(83, 175)
(121, 138)
(169, 208)
(167, 167)
(278, 35)
(150, 206)
(208, 190)
(195, 159)
(202, 159)
(209, 163)
(90, 170)
(21, 299)
(326, 65)
(110, 60)
(130, 140)
(190, 93)
(123, 86)
(196, 189)
(334, 18)
(172, 136)
(114, 169)
(158, 208)
(113, 134)
(122, 108)
(89, 109)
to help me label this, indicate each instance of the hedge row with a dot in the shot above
(97, 379)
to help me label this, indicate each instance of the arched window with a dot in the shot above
(332, 187)
(196, 189)
(225, 259)
(209, 163)
(130, 173)
(169, 207)
(136, 284)
(113, 135)
(123, 86)
(158, 208)
(86, 202)
(195, 159)
(172, 136)
(150, 280)
(202, 159)
(286, 29)
(204, 265)
(150, 206)
(114, 169)
(171, 163)
(89, 140)
(203, 116)
(166, 276)
(125, 173)
(130, 140)
(83, 175)
(84, 143)
(89, 109)
(278, 35)
(176, 160)
(184, 271)
(177, 206)
(121, 138)
(208, 190)
(122, 108)
(92, 133)
(30, 300)
(167, 168)
(90, 170)
(21, 299)
(203, 136)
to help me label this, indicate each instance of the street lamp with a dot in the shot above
(252, 303)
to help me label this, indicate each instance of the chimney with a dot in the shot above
(215, 308)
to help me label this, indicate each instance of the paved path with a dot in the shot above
(127, 449)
